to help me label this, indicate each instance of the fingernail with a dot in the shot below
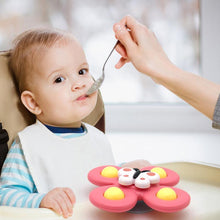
(118, 27)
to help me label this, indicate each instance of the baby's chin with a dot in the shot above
(86, 113)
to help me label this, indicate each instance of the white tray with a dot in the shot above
(202, 182)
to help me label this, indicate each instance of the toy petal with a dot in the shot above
(95, 176)
(122, 205)
(182, 200)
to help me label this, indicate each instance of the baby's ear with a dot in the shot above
(30, 103)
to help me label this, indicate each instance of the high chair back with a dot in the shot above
(13, 115)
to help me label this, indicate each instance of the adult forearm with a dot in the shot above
(139, 45)
(199, 92)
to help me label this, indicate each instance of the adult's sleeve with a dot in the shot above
(216, 116)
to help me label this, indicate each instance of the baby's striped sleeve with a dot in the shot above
(17, 187)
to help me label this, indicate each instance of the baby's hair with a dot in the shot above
(26, 47)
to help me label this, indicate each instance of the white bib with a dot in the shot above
(57, 162)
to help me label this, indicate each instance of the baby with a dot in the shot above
(48, 162)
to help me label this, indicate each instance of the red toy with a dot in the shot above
(121, 188)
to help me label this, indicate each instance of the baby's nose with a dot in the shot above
(77, 86)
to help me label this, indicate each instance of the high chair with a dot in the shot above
(13, 115)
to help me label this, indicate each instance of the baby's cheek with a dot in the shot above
(90, 79)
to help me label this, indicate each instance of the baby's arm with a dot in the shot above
(17, 187)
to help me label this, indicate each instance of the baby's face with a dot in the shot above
(60, 83)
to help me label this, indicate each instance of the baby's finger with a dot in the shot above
(64, 204)
(70, 194)
(56, 207)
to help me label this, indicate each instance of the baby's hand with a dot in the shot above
(137, 164)
(60, 200)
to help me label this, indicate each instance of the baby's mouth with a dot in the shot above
(83, 97)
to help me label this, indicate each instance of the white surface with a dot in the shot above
(161, 147)
(203, 189)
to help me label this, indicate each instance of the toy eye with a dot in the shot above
(153, 177)
(142, 181)
(59, 79)
(126, 180)
(126, 171)
(126, 176)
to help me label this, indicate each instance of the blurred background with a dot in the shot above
(175, 22)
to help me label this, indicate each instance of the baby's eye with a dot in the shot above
(82, 71)
(59, 79)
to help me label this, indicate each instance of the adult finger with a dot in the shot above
(121, 63)
(132, 25)
(129, 22)
(123, 35)
(121, 50)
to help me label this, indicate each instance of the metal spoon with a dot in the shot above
(96, 85)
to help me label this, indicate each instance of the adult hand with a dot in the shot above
(139, 45)
(61, 200)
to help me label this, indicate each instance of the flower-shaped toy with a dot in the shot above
(121, 188)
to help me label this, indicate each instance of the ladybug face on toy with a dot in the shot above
(121, 188)
(141, 179)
